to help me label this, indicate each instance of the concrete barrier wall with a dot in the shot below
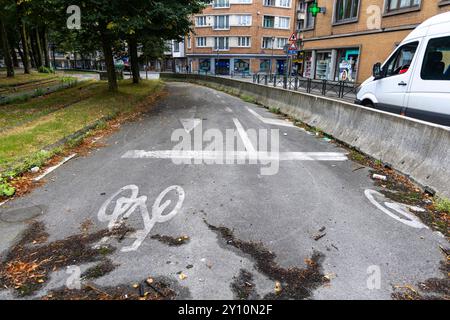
(413, 147)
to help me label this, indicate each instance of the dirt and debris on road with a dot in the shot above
(28, 264)
(431, 289)
(244, 287)
(171, 241)
(296, 283)
(158, 290)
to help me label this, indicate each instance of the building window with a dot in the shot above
(281, 42)
(221, 22)
(347, 65)
(267, 43)
(323, 66)
(284, 22)
(393, 5)
(221, 4)
(245, 20)
(436, 65)
(176, 47)
(189, 45)
(221, 43)
(244, 42)
(205, 65)
(307, 20)
(269, 3)
(201, 21)
(346, 10)
(264, 65)
(269, 22)
(285, 3)
(201, 42)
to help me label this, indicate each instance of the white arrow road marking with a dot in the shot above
(190, 124)
(402, 209)
(239, 155)
(275, 122)
(51, 169)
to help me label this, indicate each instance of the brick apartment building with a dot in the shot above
(241, 36)
(344, 42)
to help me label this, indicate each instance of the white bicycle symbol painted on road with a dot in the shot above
(126, 206)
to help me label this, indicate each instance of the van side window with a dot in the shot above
(436, 64)
(400, 62)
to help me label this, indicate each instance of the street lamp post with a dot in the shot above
(271, 59)
(217, 61)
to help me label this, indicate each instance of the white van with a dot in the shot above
(415, 80)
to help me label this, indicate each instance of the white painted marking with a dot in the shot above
(190, 124)
(244, 136)
(239, 155)
(4, 202)
(228, 109)
(275, 122)
(51, 169)
(402, 209)
(125, 206)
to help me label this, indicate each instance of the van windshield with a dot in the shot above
(436, 65)
(400, 62)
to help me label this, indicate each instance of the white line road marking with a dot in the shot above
(228, 109)
(410, 220)
(275, 122)
(51, 169)
(244, 136)
(239, 155)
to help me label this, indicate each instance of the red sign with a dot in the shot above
(293, 38)
(293, 47)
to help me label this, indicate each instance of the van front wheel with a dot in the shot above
(368, 103)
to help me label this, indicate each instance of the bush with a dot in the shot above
(6, 190)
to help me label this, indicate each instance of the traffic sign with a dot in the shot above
(293, 38)
(293, 47)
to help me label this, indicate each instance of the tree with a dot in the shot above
(147, 19)
(5, 15)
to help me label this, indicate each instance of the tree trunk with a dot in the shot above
(6, 51)
(132, 45)
(25, 49)
(109, 61)
(30, 49)
(44, 38)
(38, 48)
(14, 57)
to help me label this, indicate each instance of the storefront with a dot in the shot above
(264, 65)
(333, 65)
(242, 66)
(347, 65)
(324, 69)
(223, 66)
(204, 65)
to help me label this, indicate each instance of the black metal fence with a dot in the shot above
(338, 89)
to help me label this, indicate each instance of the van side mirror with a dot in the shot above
(377, 71)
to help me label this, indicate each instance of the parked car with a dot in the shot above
(415, 79)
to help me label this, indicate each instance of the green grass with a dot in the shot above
(21, 78)
(23, 142)
(443, 205)
(18, 113)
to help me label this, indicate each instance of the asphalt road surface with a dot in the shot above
(314, 205)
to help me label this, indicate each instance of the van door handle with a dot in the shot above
(403, 84)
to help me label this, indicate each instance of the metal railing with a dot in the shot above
(337, 89)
